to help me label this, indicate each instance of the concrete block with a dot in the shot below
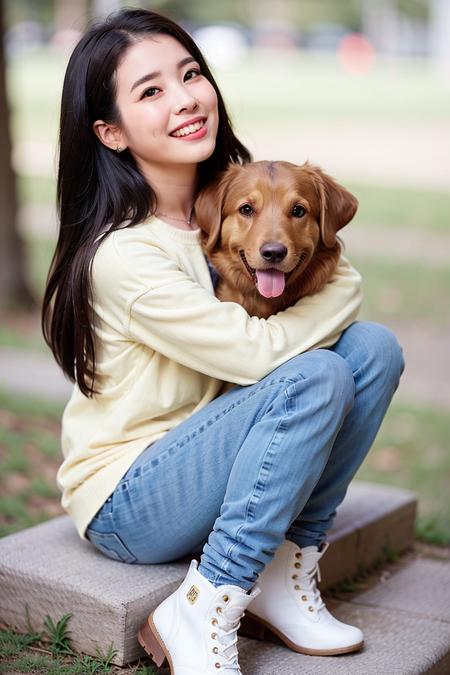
(47, 569)
(396, 643)
(372, 520)
(421, 588)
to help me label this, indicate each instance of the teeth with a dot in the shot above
(189, 129)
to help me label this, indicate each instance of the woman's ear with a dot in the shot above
(110, 135)
(337, 206)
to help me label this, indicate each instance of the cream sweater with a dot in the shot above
(166, 347)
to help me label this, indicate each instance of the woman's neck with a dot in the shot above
(175, 192)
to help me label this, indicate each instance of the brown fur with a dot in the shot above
(272, 189)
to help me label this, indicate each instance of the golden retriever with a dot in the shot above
(269, 229)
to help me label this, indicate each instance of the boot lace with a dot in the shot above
(308, 588)
(227, 623)
(311, 590)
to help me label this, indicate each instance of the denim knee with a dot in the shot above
(329, 373)
(384, 350)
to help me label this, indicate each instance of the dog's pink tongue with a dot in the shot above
(270, 283)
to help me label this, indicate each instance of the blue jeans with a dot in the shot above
(258, 464)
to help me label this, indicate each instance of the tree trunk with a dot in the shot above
(14, 290)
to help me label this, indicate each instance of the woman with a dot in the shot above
(193, 427)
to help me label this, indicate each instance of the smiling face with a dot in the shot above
(159, 89)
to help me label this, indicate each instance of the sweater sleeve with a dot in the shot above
(183, 321)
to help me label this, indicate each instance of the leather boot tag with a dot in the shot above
(192, 594)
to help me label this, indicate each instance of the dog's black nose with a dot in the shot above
(273, 251)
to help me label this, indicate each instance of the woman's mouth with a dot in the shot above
(190, 130)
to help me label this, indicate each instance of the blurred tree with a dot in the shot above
(303, 13)
(71, 15)
(14, 290)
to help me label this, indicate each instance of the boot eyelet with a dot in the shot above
(219, 610)
(217, 665)
(298, 555)
(311, 609)
(215, 650)
(294, 576)
(297, 587)
(213, 635)
(225, 598)
(297, 565)
(214, 622)
(304, 598)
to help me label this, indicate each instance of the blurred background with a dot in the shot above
(360, 87)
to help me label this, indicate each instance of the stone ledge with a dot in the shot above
(396, 643)
(47, 569)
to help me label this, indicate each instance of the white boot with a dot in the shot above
(290, 606)
(195, 628)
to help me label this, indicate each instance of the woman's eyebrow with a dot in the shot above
(150, 76)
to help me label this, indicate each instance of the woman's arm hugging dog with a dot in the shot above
(269, 229)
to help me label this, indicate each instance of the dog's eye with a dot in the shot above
(246, 210)
(298, 211)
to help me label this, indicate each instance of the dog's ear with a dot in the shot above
(208, 205)
(337, 206)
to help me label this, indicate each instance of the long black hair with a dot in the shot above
(98, 188)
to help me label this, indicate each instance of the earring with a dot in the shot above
(119, 149)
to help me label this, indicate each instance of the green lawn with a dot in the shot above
(35, 86)
(404, 291)
(424, 210)
(49, 652)
(29, 457)
(412, 450)
(302, 87)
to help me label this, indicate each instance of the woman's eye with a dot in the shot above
(298, 211)
(246, 210)
(148, 93)
(193, 70)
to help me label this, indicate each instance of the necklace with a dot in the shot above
(180, 220)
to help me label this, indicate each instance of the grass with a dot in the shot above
(29, 458)
(13, 334)
(39, 190)
(302, 87)
(34, 88)
(50, 652)
(392, 206)
(404, 291)
(412, 450)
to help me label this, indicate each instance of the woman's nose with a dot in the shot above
(185, 101)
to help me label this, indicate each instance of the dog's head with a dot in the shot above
(269, 218)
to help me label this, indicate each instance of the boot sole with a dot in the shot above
(151, 641)
(254, 627)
